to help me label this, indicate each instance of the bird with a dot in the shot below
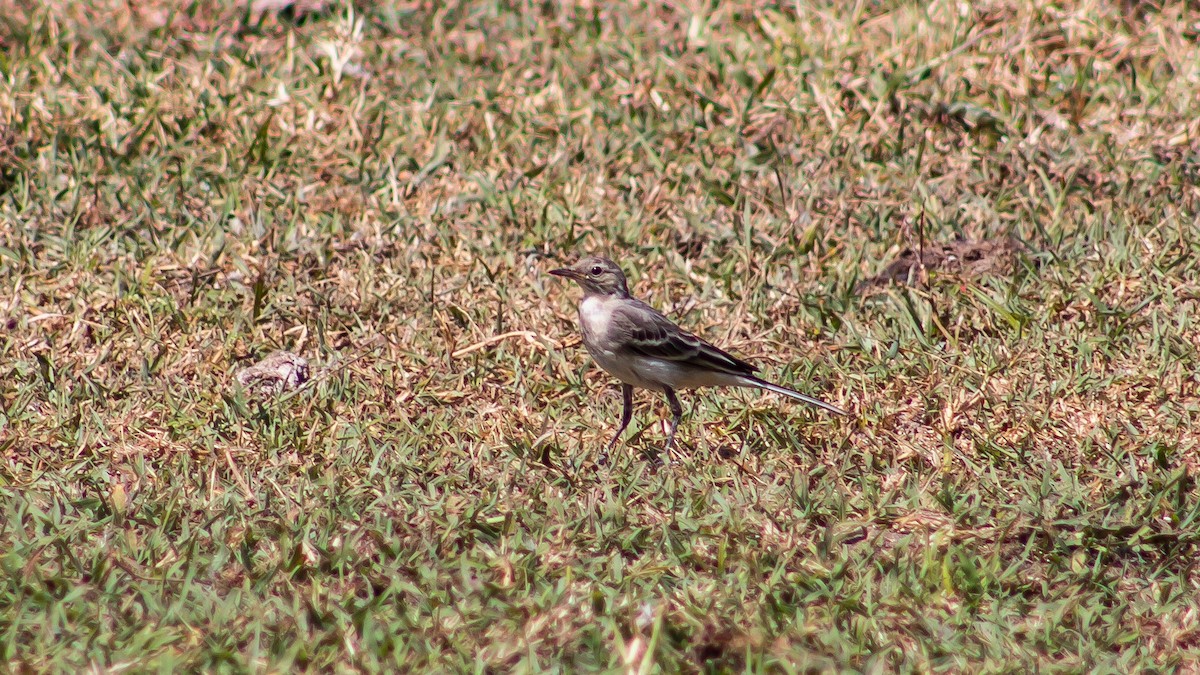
(644, 349)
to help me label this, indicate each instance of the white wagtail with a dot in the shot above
(643, 348)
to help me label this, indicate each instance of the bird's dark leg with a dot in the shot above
(626, 415)
(676, 415)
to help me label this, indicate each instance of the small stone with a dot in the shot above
(276, 373)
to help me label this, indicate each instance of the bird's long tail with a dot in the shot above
(763, 384)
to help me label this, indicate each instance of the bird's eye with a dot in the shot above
(597, 270)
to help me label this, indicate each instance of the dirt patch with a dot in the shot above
(968, 258)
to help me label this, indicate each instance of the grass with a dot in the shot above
(187, 187)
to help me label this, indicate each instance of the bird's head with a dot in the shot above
(597, 275)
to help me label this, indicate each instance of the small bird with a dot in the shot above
(642, 348)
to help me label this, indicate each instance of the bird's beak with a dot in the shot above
(566, 272)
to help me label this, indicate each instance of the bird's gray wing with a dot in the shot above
(646, 332)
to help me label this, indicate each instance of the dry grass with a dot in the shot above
(187, 188)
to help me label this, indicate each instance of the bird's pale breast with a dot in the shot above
(595, 320)
(608, 347)
(595, 317)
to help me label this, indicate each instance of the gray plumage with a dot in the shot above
(642, 348)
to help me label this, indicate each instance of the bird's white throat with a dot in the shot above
(594, 315)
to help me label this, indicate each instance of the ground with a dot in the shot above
(380, 190)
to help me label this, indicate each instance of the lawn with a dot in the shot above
(382, 190)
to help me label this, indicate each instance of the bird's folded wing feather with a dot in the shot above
(648, 333)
